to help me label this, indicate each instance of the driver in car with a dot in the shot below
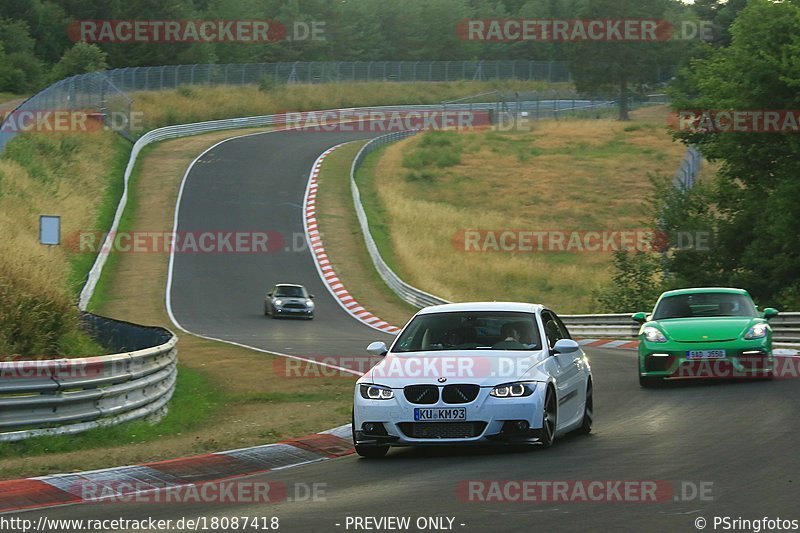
(510, 338)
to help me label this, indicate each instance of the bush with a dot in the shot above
(636, 283)
(425, 176)
(435, 148)
(269, 83)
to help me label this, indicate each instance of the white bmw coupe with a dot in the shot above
(474, 373)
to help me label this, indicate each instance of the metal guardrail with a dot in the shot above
(66, 396)
(412, 295)
(686, 176)
(785, 326)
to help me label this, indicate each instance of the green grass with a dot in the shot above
(5, 97)
(196, 400)
(376, 213)
(80, 263)
(195, 103)
(100, 296)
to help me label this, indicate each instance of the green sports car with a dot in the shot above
(704, 333)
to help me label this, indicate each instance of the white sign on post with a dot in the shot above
(50, 230)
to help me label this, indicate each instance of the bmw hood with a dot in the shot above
(709, 329)
(485, 368)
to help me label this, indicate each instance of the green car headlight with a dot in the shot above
(653, 334)
(758, 331)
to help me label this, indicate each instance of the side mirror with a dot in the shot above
(269, 294)
(377, 348)
(639, 317)
(311, 296)
(566, 346)
(770, 312)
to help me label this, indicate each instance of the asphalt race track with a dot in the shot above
(738, 441)
(257, 184)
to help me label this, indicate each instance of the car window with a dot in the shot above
(706, 304)
(564, 332)
(289, 292)
(470, 330)
(552, 329)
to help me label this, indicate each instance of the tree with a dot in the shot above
(754, 204)
(636, 283)
(599, 67)
(23, 71)
(80, 59)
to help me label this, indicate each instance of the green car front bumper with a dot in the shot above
(704, 360)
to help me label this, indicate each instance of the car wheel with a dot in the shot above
(549, 418)
(266, 310)
(650, 381)
(588, 411)
(368, 452)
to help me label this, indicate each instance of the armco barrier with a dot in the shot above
(65, 396)
(785, 326)
(412, 295)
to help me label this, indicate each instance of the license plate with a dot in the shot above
(438, 414)
(705, 354)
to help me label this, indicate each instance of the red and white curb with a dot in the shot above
(619, 344)
(322, 262)
(127, 481)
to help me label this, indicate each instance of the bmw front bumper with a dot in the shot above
(489, 420)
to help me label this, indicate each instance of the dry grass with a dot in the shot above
(563, 175)
(57, 174)
(194, 103)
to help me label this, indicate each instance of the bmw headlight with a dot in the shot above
(653, 334)
(376, 392)
(513, 390)
(278, 303)
(757, 331)
(310, 304)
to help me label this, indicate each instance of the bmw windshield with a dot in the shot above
(473, 330)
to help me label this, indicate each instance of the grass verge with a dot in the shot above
(70, 175)
(196, 103)
(568, 175)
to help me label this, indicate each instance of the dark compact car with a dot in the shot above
(289, 300)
